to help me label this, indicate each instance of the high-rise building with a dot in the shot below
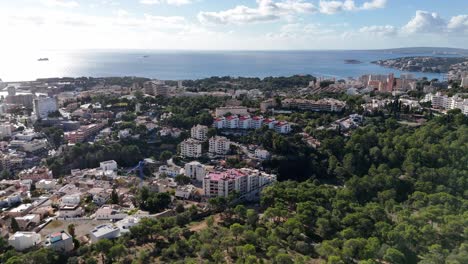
(219, 145)
(195, 170)
(199, 132)
(191, 148)
(43, 106)
(246, 182)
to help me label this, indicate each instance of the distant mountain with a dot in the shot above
(426, 50)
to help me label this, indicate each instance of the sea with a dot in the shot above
(183, 65)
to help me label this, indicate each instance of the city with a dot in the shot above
(87, 159)
(234, 132)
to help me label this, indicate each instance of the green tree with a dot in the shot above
(165, 155)
(117, 251)
(394, 256)
(14, 225)
(71, 229)
(236, 229)
(114, 197)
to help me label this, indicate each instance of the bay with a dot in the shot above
(181, 65)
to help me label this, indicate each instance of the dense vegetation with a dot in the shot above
(400, 197)
(268, 83)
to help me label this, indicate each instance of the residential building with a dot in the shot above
(282, 127)
(170, 170)
(244, 122)
(125, 224)
(33, 146)
(43, 106)
(28, 221)
(219, 145)
(24, 240)
(70, 200)
(45, 184)
(247, 182)
(199, 132)
(108, 165)
(185, 192)
(70, 211)
(106, 231)
(256, 122)
(191, 148)
(262, 154)
(36, 174)
(84, 132)
(59, 241)
(20, 210)
(325, 105)
(109, 212)
(195, 170)
(5, 130)
(25, 100)
(156, 87)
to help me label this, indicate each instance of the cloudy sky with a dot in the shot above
(229, 24)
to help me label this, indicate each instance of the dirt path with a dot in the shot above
(202, 225)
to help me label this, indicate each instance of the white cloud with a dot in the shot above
(375, 4)
(383, 31)
(425, 22)
(121, 12)
(458, 24)
(168, 2)
(266, 10)
(333, 7)
(60, 3)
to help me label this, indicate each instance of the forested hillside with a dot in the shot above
(400, 197)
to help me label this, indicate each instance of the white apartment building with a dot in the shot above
(24, 240)
(108, 165)
(219, 145)
(43, 106)
(247, 182)
(256, 122)
(191, 148)
(195, 170)
(170, 170)
(199, 132)
(245, 122)
(262, 154)
(282, 127)
(444, 102)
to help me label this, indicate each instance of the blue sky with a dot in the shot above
(218, 24)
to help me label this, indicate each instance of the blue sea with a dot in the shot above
(180, 65)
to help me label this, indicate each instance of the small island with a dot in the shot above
(352, 61)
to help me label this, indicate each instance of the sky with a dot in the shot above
(231, 25)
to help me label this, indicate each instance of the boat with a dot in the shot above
(146, 56)
(43, 59)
